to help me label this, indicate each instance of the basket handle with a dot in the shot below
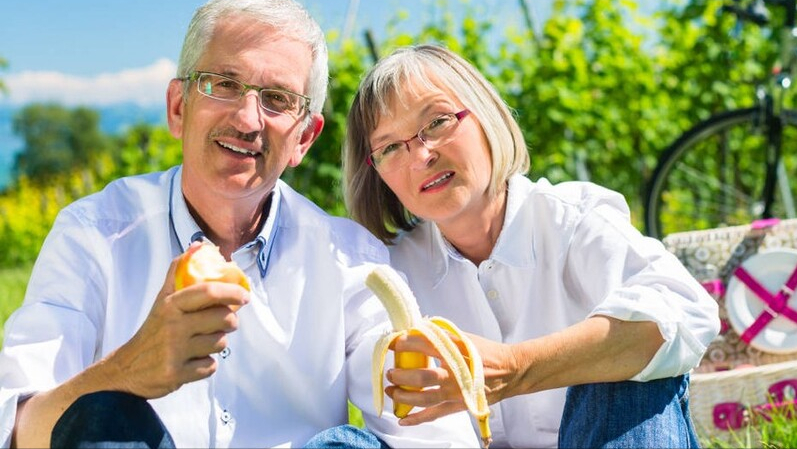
(730, 415)
(764, 223)
(734, 415)
(784, 390)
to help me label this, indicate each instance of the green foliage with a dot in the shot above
(28, 209)
(143, 149)
(712, 62)
(593, 116)
(319, 175)
(56, 139)
(709, 64)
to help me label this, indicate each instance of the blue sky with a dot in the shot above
(102, 52)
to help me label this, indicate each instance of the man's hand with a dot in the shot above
(171, 348)
(174, 344)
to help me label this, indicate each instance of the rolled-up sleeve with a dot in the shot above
(641, 281)
(52, 336)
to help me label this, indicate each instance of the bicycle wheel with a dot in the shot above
(714, 175)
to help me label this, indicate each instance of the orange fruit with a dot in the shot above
(204, 263)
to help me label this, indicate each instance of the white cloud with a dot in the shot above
(145, 86)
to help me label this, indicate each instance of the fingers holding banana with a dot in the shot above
(432, 413)
(423, 387)
(430, 385)
(435, 389)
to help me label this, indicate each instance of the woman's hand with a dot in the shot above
(440, 394)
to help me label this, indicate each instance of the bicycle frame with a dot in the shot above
(785, 66)
(773, 106)
(770, 99)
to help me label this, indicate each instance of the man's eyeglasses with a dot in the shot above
(436, 133)
(224, 88)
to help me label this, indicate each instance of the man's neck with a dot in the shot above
(229, 224)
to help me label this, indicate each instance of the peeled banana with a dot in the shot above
(405, 317)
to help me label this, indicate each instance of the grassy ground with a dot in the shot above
(355, 416)
(777, 431)
(12, 289)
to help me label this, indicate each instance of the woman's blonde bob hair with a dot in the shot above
(368, 199)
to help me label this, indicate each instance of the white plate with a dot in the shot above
(771, 269)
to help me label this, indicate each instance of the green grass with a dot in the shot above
(12, 289)
(777, 432)
(355, 416)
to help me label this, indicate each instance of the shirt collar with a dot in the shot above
(515, 245)
(186, 230)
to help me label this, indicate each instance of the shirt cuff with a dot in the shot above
(679, 353)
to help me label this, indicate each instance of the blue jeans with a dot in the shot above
(606, 415)
(346, 436)
(628, 414)
(110, 419)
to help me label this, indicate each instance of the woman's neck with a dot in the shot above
(475, 234)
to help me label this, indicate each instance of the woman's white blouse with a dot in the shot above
(566, 252)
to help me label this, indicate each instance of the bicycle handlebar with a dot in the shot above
(755, 12)
(758, 13)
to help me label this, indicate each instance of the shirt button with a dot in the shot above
(492, 294)
(225, 352)
(225, 417)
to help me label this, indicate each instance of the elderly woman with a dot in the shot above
(587, 329)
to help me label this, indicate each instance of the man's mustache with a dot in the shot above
(235, 134)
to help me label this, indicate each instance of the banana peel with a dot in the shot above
(401, 305)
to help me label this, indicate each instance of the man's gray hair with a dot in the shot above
(286, 15)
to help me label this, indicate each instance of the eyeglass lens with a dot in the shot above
(229, 89)
(396, 154)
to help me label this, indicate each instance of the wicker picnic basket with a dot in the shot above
(723, 403)
(740, 378)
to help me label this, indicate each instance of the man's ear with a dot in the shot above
(309, 135)
(175, 107)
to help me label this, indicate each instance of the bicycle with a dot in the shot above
(731, 168)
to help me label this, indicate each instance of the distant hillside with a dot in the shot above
(115, 119)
